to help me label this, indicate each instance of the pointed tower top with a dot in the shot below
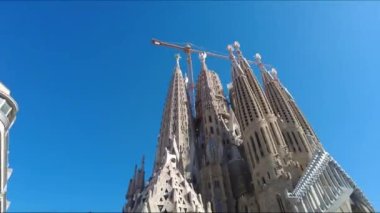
(236, 69)
(237, 45)
(202, 58)
(143, 162)
(244, 64)
(273, 73)
(230, 50)
(260, 64)
(267, 77)
(258, 58)
(177, 58)
(135, 174)
(237, 48)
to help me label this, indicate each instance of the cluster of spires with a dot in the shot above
(282, 166)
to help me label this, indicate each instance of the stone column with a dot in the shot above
(327, 188)
(308, 203)
(334, 178)
(322, 204)
(334, 188)
(323, 192)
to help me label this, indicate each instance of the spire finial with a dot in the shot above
(202, 58)
(273, 73)
(230, 50)
(258, 58)
(177, 57)
(236, 44)
(236, 70)
(237, 47)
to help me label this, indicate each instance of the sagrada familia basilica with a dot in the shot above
(251, 152)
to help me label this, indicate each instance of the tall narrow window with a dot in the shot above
(286, 140)
(280, 203)
(291, 142)
(265, 140)
(259, 144)
(274, 134)
(295, 139)
(254, 149)
(274, 138)
(303, 142)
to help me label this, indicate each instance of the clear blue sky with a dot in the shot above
(91, 87)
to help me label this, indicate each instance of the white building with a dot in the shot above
(8, 110)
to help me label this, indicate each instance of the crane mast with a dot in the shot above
(191, 86)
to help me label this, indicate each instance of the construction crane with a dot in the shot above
(188, 50)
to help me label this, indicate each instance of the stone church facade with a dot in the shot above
(251, 152)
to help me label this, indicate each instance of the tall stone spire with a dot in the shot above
(261, 147)
(136, 183)
(281, 101)
(252, 156)
(176, 133)
(273, 129)
(216, 141)
(252, 80)
(271, 78)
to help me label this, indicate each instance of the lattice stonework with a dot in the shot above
(167, 191)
